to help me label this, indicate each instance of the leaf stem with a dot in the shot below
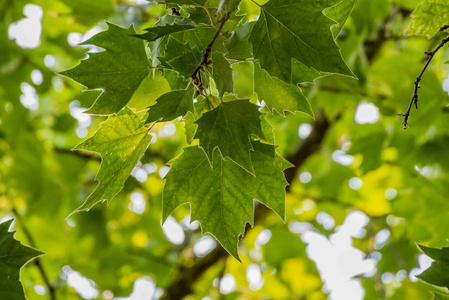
(196, 76)
(256, 3)
(414, 100)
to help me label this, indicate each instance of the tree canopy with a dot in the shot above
(224, 149)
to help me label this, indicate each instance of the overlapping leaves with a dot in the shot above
(234, 162)
(228, 128)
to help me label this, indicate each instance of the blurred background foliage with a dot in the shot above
(363, 200)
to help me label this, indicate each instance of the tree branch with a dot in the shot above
(418, 79)
(186, 276)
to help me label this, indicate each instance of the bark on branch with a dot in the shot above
(414, 100)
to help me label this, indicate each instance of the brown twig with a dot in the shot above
(36, 261)
(414, 100)
(196, 76)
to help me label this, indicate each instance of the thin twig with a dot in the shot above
(37, 261)
(196, 76)
(414, 100)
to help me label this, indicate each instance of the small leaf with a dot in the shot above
(184, 31)
(221, 197)
(289, 29)
(171, 105)
(428, 17)
(228, 128)
(156, 32)
(13, 256)
(340, 13)
(151, 88)
(118, 71)
(222, 74)
(238, 45)
(302, 74)
(187, 63)
(121, 141)
(279, 95)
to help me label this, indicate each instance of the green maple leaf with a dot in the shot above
(438, 273)
(172, 105)
(182, 29)
(189, 127)
(228, 128)
(222, 74)
(13, 256)
(279, 95)
(121, 141)
(428, 17)
(221, 198)
(302, 74)
(187, 63)
(289, 29)
(181, 58)
(238, 45)
(118, 71)
(339, 13)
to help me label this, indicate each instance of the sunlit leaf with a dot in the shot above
(121, 141)
(171, 105)
(429, 17)
(221, 197)
(118, 70)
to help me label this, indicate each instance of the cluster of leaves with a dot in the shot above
(258, 52)
(237, 161)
